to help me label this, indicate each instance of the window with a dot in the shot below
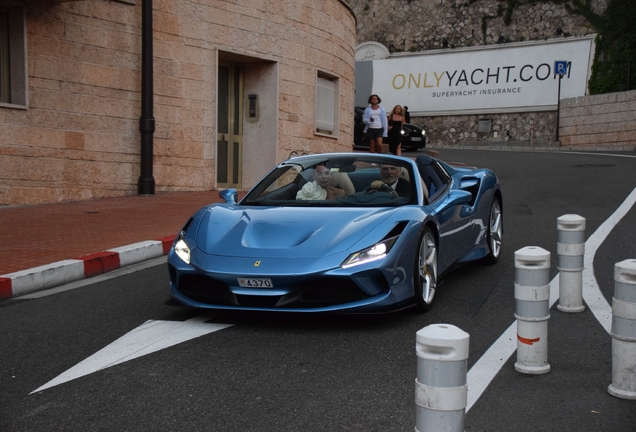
(13, 83)
(327, 104)
(5, 92)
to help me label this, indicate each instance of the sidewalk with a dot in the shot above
(45, 245)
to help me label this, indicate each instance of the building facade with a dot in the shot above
(238, 87)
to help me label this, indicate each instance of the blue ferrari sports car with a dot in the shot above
(338, 232)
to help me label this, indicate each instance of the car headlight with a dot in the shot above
(182, 250)
(423, 132)
(402, 132)
(373, 253)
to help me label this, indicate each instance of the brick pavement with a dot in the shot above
(31, 236)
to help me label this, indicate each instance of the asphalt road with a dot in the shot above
(290, 372)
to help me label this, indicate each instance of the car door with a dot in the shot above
(455, 217)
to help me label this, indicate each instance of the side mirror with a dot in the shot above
(229, 195)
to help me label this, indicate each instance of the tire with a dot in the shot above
(495, 232)
(425, 274)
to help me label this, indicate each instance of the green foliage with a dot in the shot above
(615, 43)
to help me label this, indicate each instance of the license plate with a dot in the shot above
(255, 283)
(416, 138)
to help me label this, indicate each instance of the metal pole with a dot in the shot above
(624, 331)
(146, 184)
(441, 391)
(532, 311)
(571, 252)
(532, 134)
(558, 107)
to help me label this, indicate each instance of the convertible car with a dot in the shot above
(341, 232)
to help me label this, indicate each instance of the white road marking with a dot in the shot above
(149, 337)
(487, 367)
(592, 294)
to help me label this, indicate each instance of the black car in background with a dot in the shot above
(413, 138)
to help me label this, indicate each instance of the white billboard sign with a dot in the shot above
(515, 77)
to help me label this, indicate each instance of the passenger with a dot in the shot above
(320, 189)
(390, 175)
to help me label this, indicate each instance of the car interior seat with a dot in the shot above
(428, 175)
(404, 173)
(341, 180)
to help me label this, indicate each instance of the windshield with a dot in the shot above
(347, 181)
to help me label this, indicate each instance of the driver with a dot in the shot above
(390, 175)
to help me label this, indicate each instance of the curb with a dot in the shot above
(62, 272)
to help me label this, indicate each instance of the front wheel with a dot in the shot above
(495, 232)
(425, 277)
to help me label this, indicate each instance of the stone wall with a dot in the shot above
(449, 130)
(606, 120)
(420, 25)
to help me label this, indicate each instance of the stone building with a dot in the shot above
(424, 25)
(238, 86)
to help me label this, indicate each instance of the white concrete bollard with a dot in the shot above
(440, 387)
(570, 253)
(624, 331)
(532, 299)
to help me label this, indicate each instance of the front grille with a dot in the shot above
(323, 293)
(257, 301)
(204, 289)
(315, 294)
(338, 291)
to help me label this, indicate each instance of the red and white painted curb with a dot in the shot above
(62, 272)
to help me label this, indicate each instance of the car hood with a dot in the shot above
(411, 127)
(285, 232)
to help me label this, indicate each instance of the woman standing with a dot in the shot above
(396, 120)
(376, 124)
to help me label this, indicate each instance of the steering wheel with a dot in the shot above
(378, 186)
